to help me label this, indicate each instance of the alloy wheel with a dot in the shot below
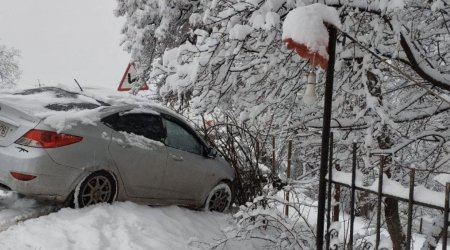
(220, 200)
(98, 189)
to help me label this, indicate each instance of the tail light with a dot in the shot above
(22, 177)
(47, 139)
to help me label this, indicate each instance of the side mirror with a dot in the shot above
(211, 152)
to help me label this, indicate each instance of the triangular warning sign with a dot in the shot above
(128, 78)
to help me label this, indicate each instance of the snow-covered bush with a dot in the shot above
(264, 219)
(242, 148)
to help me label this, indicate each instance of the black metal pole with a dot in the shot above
(337, 197)
(325, 135)
(330, 177)
(288, 175)
(273, 155)
(380, 195)
(446, 208)
(412, 175)
(352, 198)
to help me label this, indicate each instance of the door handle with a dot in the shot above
(176, 158)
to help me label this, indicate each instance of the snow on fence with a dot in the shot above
(383, 187)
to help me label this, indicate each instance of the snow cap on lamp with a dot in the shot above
(305, 32)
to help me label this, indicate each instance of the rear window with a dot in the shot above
(57, 91)
(64, 100)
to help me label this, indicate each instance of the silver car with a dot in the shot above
(145, 154)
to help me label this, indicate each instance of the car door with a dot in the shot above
(139, 153)
(187, 167)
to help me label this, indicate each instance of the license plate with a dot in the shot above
(3, 130)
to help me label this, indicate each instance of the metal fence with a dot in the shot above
(332, 233)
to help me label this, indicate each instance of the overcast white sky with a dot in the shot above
(61, 40)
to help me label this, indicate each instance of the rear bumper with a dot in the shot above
(53, 181)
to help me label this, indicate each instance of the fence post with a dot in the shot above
(352, 198)
(421, 221)
(380, 190)
(288, 175)
(412, 175)
(330, 171)
(337, 197)
(445, 226)
(258, 151)
(273, 155)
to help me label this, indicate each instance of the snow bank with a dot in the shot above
(122, 225)
(305, 25)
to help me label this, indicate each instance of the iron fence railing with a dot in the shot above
(332, 235)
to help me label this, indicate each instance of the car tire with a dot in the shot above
(219, 198)
(98, 187)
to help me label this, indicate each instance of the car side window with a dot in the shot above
(147, 125)
(180, 138)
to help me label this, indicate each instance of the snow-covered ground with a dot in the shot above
(28, 225)
(14, 209)
(122, 225)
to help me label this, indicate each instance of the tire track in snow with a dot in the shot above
(14, 209)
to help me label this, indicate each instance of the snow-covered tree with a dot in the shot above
(392, 76)
(9, 66)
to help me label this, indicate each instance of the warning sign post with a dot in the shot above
(128, 78)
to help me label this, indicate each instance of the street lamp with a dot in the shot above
(300, 39)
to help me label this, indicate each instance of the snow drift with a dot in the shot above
(122, 225)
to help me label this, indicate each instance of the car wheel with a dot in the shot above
(98, 187)
(219, 199)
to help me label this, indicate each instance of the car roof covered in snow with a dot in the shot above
(62, 109)
(49, 99)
